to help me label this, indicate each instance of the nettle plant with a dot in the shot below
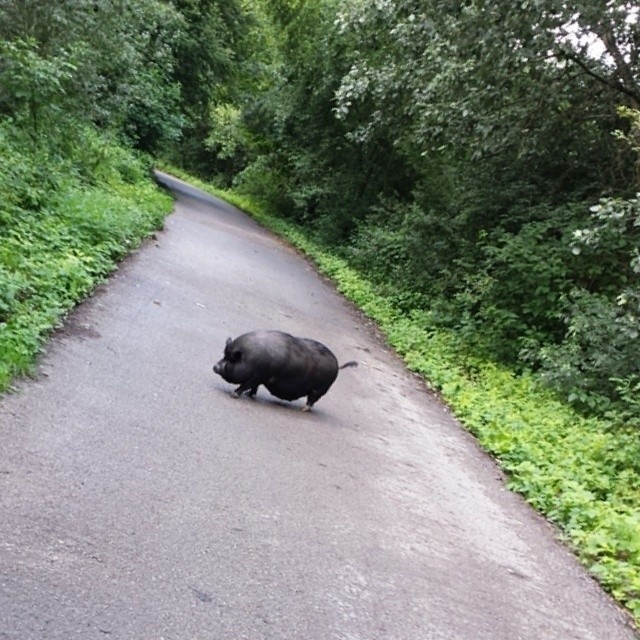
(597, 363)
(616, 228)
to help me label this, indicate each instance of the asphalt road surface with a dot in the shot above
(139, 500)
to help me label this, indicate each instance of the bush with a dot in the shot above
(62, 234)
(596, 365)
(260, 179)
(514, 298)
(412, 250)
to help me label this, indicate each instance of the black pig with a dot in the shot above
(287, 366)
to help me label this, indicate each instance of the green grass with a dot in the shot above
(60, 235)
(583, 474)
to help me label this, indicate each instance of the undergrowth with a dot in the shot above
(64, 224)
(582, 473)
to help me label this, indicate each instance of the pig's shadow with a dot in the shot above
(264, 398)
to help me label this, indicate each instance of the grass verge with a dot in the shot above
(60, 235)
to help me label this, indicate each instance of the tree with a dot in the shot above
(507, 77)
(212, 66)
(117, 56)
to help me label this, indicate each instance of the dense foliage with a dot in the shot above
(60, 235)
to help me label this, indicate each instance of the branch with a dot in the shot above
(624, 71)
(613, 84)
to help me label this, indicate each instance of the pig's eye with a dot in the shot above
(235, 356)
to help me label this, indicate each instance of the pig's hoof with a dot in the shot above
(306, 408)
(235, 394)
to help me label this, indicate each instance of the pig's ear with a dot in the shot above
(228, 341)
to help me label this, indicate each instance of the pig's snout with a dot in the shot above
(218, 367)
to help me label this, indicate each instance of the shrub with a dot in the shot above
(63, 234)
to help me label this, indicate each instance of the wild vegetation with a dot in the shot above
(468, 172)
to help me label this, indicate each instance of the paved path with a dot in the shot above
(138, 500)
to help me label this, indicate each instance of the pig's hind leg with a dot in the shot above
(312, 398)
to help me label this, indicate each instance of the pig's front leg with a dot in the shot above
(251, 386)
